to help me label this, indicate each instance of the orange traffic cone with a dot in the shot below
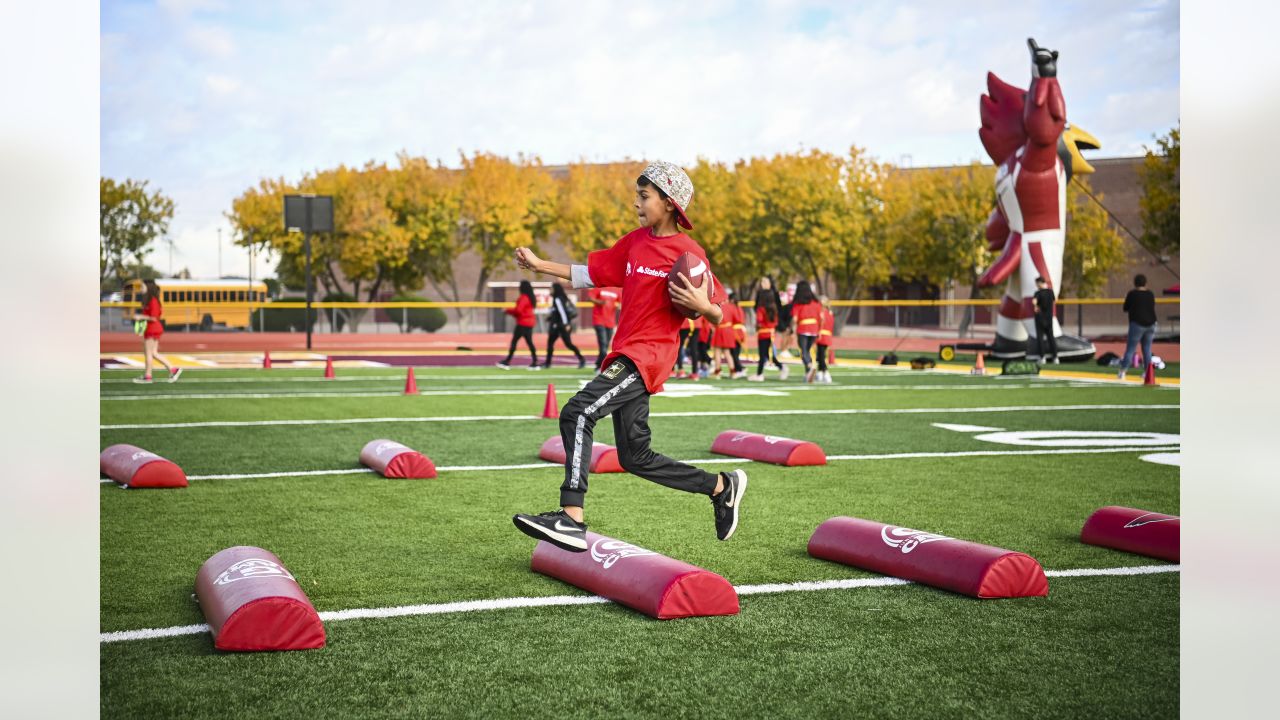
(410, 383)
(979, 366)
(266, 359)
(1149, 378)
(328, 368)
(551, 408)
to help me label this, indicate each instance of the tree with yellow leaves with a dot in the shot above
(594, 206)
(1093, 247)
(505, 205)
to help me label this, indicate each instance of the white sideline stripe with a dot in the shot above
(564, 600)
(709, 413)
(703, 461)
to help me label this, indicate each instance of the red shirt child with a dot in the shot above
(807, 318)
(523, 311)
(725, 336)
(826, 327)
(649, 328)
(153, 311)
(765, 326)
(606, 313)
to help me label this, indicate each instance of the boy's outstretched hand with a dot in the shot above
(526, 259)
(693, 299)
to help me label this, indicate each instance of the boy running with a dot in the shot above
(644, 351)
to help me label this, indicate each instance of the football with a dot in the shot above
(692, 267)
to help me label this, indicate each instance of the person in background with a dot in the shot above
(722, 341)
(523, 313)
(1140, 303)
(785, 336)
(767, 312)
(604, 318)
(739, 334)
(560, 324)
(702, 348)
(685, 350)
(1042, 302)
(826, 329)
(151, 313)
(806, 315)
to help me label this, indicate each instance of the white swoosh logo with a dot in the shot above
(1139, 521)
(561, 528)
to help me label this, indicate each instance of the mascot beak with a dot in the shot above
(1076, 140)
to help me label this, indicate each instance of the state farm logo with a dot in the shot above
(251, 568)
(906, 539)
(651, 271)
(609, 552)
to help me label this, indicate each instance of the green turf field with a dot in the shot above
(1102, 646)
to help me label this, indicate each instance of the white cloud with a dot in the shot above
(211, 40)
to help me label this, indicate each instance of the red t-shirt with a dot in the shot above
(704, 330)
(739, 324)
(807, 317)
(724, 337)
(826, 327)
(649, 329)
(765, 326)
(153, 310)
(605, 314)
(523, 312)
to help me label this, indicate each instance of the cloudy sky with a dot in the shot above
(203, 98)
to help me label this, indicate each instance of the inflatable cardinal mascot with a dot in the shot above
(1036, 151)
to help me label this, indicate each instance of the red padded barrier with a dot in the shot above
(604, 458)
(965, 567)
(253, 603)
(393, 460)
(643, 580)
(134, 467)
(1135, 531)
(768, 448)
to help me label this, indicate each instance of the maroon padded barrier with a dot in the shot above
(643, 580)
(604, 458)
(768, 448)
(393, 460)
(253, 603)
(1135, 531)
(134, 467)
(965, 567)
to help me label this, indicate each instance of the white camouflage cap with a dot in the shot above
(676, 184)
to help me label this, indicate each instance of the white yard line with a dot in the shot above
(698, 461)
(706, 413)
(565, 600)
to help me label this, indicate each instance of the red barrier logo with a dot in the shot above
(609, 552)
(771, 439)
(384, 447)
(1140, 521)
(141, 454)
(251, 568)
(906, 539)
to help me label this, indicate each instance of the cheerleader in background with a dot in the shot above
(805, 314)
(766, 320)
(826, 329)
(739, 334)
(685, 350)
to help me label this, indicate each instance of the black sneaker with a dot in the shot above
(728, 503)
(556, 528)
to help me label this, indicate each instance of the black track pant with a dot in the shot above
(764, 346)
(527, 334)
(806, 343)
(604, 336)
(736, 354)
(683, 350)
(1044, 331)
(557, 331)
(619, 390)
(822, 356)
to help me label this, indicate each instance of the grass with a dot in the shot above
(1103, 645)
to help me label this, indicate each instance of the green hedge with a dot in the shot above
(425, 319)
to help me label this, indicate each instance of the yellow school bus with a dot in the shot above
(203, 303)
